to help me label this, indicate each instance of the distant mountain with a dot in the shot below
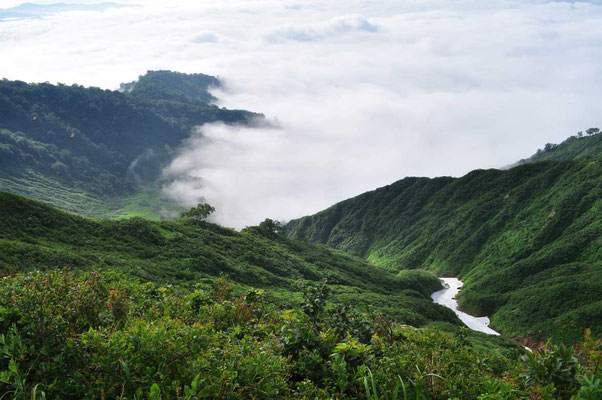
(527, 241)
(83, 149)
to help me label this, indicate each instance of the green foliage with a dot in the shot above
(34, 236)
(314, 299)
(526, 241)
(560, 372)
(198, 213)
(591, 389)
(556, 366)
(66, 335)
(270, 227)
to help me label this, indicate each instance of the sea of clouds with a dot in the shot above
(362, 93)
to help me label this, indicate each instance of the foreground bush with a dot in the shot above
(91, 336)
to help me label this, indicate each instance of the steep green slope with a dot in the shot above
(97, 145)
(35, 236)
(527, 241)
(574, 148)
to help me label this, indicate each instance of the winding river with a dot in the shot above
(447, 297)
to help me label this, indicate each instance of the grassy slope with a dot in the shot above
(527, 241)
(34, 236)
(146, 203)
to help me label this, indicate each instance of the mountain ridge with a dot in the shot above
(101, 148)
(498, 230)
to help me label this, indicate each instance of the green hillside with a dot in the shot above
(137, 309)
(526, 241)
(89, 150)
(35, 236)
(185, 309)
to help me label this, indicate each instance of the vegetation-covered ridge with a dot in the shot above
(577, 147)
(173, 86)
(34, 236)
(106, 336)
(89, 150)
(527, 241)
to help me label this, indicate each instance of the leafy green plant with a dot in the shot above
(155, 392)
(214, 341)
(199, 213)
(314, 298)
(398, 392)
(591, 388)
(555, 366)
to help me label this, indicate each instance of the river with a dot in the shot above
(447, 297)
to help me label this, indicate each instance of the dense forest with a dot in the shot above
(527, 241)
(81, 148)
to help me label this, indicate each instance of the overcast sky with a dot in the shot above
(364, 92)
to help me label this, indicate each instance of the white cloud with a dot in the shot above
(365, 92)
(205, 37)
(333, 27)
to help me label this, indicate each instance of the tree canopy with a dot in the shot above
(199, 213)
